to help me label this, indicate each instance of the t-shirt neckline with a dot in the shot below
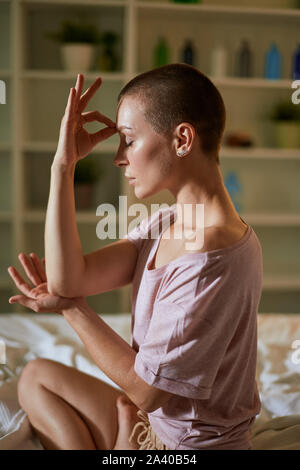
(203, 255)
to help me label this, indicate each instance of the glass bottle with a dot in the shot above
(296, 63)
(244, 60)
(188, 53)
(272, 63)
(161, 52)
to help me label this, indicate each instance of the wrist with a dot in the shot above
(79, 306)
(60, 166)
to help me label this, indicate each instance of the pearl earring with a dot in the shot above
(180, 154)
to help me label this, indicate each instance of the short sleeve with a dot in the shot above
(183, 350)
(150, 226)
(139, 234)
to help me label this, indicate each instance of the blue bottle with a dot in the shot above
(273, 63)
(188, 53)
(234, 188)
(296, 64)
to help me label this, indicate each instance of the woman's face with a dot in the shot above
(146, 155)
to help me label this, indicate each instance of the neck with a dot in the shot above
(204, 188)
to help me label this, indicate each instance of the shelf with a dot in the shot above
(252, 219)
(272, 220)
(69, 75)
(88, 216)
(274, 13)
(274, 283)
(226, 152)
(284, 84)
(260, 153)
(105, 3)
(52, 146)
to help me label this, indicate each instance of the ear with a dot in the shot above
(184, 137)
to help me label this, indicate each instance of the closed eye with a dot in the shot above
(128, 145)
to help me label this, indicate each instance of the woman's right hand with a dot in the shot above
(75, 142)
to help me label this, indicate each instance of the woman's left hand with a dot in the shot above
(37, 297)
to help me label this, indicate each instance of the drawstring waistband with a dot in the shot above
(147, 439)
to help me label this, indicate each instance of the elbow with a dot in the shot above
(61, 291)
(149, 407)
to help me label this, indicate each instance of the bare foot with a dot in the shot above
(127, 418)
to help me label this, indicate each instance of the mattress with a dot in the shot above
(31, 335)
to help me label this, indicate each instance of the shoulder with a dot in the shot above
(216, 238)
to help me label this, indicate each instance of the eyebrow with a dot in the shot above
(123, 127)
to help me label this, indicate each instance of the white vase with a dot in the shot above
(77, 57)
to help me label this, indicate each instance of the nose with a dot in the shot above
(120, 158)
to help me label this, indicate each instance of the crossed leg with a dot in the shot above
(71, 410)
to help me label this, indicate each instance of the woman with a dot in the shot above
(188, 381)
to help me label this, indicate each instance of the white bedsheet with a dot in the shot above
(32, 335)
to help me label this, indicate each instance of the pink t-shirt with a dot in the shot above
(194, 328)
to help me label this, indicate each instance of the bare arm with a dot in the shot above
(113, 356)
(63, 251)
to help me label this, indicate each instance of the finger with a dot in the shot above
(22, 300)
(19, 281)
(37, 264)
(78, 88)
(87, 95)
(29, 269)
(102, 135)
(70, 104)
(90, 116)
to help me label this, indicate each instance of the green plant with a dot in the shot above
(109, 39)
(87, 171)
(285, 111)
(76, 31)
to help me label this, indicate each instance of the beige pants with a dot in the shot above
(146, 439)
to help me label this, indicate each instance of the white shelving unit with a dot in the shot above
(37, 89)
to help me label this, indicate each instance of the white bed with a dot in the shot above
(32, 335)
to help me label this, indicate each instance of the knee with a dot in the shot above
(30, 378)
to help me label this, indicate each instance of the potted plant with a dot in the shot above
(87, 172)
(286, 118)
(78, 40)
(108, 60)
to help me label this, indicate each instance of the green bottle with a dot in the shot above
(161, 52)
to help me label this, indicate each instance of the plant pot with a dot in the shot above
(83, 195)
(287, 134)
(77, 57)
(108, 60)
